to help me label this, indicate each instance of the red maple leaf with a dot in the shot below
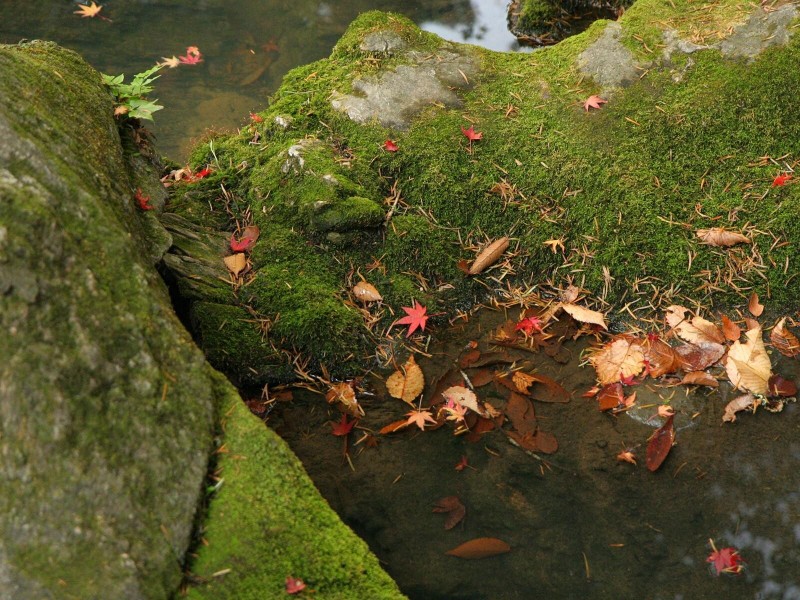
(242, 245)
(593, 102)
(471, 134)
(201, 174)
(390, 146)
(529, 325)
(781, 179)
(726, 560)
(294, 586)
(142, 200)
(256, 118)
(192, 56)
(629, 380)
(343, 427)
(416, 318)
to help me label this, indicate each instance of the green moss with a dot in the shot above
(267, 522)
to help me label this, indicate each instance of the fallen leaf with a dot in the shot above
(627, 456)
(695, 330)
(462, 464)
(294, 586)
(454, 509)
(610, 396)
(584, 315)
(394, 426)
(696, 357)
(463, 397)
(529, 325)
(520, 413)
(593, 102)
(700, 378)
(235, 263)
(192, 56)
(730, 330)
(781, 179)
(408, 383)
(488, 256)
(780, 387)
(784, 340)
(659, 356)
(390, 146)
(480, 548)
(343, 427)
(420, 418)
(726, 560)
(555, 244)
(88, 10)
(552, 392)
(469, 359)
(748, 364)
(665, 410)
(618, 359)
(471, 134)
(343, 392)
(247, 240)
(754, 306)
(660, 444)
(366, 292)
(416, 318)
(736, 405)
(172, 62)
(721, 237)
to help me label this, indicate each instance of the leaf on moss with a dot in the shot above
(721, 237)
(236, 263)
(366, 292)
(584, 315)
(490, 255)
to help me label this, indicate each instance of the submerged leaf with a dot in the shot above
(660, 444)
(408, 383)
(454, 509)
(480, 548)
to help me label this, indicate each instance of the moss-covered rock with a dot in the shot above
(699, 121)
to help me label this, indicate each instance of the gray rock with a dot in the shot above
(385, 42)
(608, 62)
(762, 30)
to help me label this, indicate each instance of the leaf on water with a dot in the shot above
(784, 340)
(519, 411)
(88, 10)
(627, 456)
(490, 255)
(736, 405)
(730, 330)
(754, 306)
(549, 391)
(584, 315)
(660, 356)
(660, 444)
(696, 357)
(464, 397)
(469, 358)
(721, 237)
(366, 292)
(394, 426)
(480, 548)
(782, 388)
(420, 418)
(416, 317)
(343, 392)
(343, 427)
(621, 358)
(235, 263)
(700, 378)
(748, 364)
(453, 507)
(481, 377)
(407, 383)
(610, 396)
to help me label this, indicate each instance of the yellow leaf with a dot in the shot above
(235, 263)
(366, 292)
(618, 359)
(408, 383)
(584, 315)
(88, 10)
(748, 364)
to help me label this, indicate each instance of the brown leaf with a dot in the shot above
(489, 256)
(660, 444)
(730, 330)
(343, 392)
(696, 357)
(660, 356)
(736, 405)
(463, 396)
(748, 364)
(469, 358)
(454, 509)
(627, 456)
(394, 426)
(569, 295)
(784, 340)
(519, 411)
(549, 391)
(585, 315)
(610, 396)
(408, 383)
(620, 358)
(754, 306)
(481, 377)
(236, 263)
(782, 388)
(251, 232)
(700, 378)
(480, 548)
(721, 237)
(366, 292)
(694, 331)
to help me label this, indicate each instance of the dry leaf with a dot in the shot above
(619, 359)
(569, 295)
(236, 263)
(343, 392)
(464, 397)
(784, 340)
(695, 331)
(748, 364)
(408, 383)
(700, 378)
(721, 237)
(454, 509)
(735, 405)
(754, 306)
(585, 315)
(480, 548)
(489, 256)
(251, 232)
(730, 330)
(366, 292)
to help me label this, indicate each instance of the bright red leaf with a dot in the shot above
(343, 427)
(781, 179)
(142, 200)
(529, 325)
(471, 134)
(390, 146)
(726, 560)
(242, 245)
(192, 56)
(294, 586)
(256, 118)
(593, 102)
(416, 318)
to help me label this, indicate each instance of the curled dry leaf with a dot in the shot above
(454, 509)
(748, 364)
(480, 548)
(366, 292)
(700, 378)
(784, 340)
(721, 237)
(490, 255)
(584, 315)
(660, 444)
(660, 356)
(619, 359)
(236, 263)
(736, 405)
(406, 383)
(754, 306)
(343, 392)
(730, 330)
(569, 295)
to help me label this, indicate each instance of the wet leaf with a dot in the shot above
(481, 377)
(627, 456)
(610, 396)
(88, 10)
(490, 255)
(454, 509)
(721, 237)
(748, 364)
(366, 292)
(480, 548)
(700, 378)
(784, 340)
(696, 357)
(520, 412)
(464, 397)
(783, 388)
(420, 418)
(343, 427)
(416, 317)
(754, 306)
(394, 426)
(736, 405)
(462, 464)
(726, 560)
(343, 392)
(549, 391)
(468, 359)
(730, 330)
(618, 359)
(407, 383)
(695, 330)
(236, 263)
(660, 444)
(585, 315)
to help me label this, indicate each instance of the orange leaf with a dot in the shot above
(618, 359)
(754, 306)
(730, 330)
(394, 426)
(696, 357)
(660, 444)
(408, 383)
(784, 340)
(366, 292)
(700, 378)
(480, 548)
(660, 356)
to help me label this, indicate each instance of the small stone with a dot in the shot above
(385, 42)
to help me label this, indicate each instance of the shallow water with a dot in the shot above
(247, 46)
(580, 523)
